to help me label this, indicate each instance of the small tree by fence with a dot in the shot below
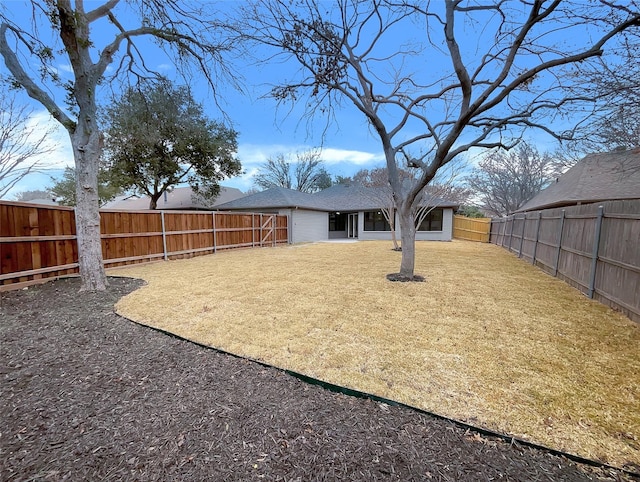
(593, 247)
(39, 242)
(471, 229)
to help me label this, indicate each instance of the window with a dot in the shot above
(337, 222)
(432, 221)
(375, 221)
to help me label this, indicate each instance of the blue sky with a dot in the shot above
(264, 129)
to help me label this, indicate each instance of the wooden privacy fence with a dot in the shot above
(471, 229)
(38, 242)
(593, 247)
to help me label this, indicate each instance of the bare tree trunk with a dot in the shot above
(392, 225)
(86, 146)
(408, 238)
(394, 239)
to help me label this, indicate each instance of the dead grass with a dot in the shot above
(486, 339)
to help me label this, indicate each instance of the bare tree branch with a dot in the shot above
(504, 180)
(190, 33)
(22, 146)
(305, 174)
(508, 72)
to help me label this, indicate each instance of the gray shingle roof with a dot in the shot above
(351, 197)
(336, 198)
(595, 178)
(274, 198)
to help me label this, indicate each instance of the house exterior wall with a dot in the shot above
(445, 235)
(307, 226)
(310, 226)
(447, 229)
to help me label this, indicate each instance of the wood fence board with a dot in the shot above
(40, 240)
(69, 248)
(471, 229)
(620, 240)
(616, 279)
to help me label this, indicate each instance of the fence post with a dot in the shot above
(215, 245)
(535, 243)
(273, 226)
(504, 231)
(513, 222)
(555, 268)
(594, 254)
(524, 222)
(253, 230)
(164, 237)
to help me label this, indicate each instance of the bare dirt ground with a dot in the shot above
(88, 395)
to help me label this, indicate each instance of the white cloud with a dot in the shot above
(338, 161)
(164, 67)
(254, 154)
(65, 68)
(358, 158)
(61, 155)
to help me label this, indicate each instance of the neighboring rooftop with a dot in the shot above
(340, 197)
(50, 201)
(178, 198)
(595, 178)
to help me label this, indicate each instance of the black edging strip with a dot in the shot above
(369, 396)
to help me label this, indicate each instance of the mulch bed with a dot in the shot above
(88, 395)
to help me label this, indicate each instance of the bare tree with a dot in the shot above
(22, 146)
(305, 174)
(442, 187)
(176, 25)
(616, 124)
(506, 72)
(504, 180)
(275, 172)
(380, 192)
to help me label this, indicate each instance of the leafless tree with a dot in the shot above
(305, 174)
(616, 124)
(445, 186)
(181, 28)
(442, 187)
(379, 191)
(507, 72)
(22, 145)
(504, 180)
(275, 172)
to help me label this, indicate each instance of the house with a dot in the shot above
(179, 198)
(42, 201)
(596, 178)
(341, 212)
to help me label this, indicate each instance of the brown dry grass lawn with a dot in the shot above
(486, 339)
